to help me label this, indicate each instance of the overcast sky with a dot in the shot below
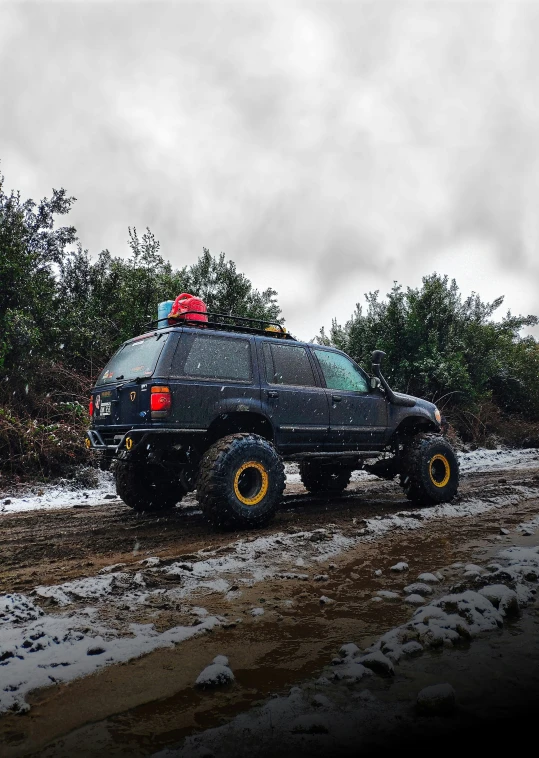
(328, 148)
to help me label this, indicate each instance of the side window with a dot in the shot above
(204, 357)
(340, 373)
(288, 364)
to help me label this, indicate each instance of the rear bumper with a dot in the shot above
(94, 441)
(119, 441)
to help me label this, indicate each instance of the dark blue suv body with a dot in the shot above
(170, 396)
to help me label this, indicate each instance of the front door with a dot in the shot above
(357, 414)
(293, 398)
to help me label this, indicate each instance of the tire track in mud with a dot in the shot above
(46, 547)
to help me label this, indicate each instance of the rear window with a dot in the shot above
(288, 364)
(204, 357)
(134, 360)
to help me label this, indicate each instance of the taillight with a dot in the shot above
(91, 408)
(160, 401)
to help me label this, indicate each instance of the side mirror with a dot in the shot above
(375, 382)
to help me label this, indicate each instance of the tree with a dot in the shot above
(444, 348)
(31, 248)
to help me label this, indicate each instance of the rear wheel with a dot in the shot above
(429, 470)
(319, 478)
(241, 481)
(146, 488)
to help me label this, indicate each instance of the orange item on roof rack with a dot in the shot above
(187, 308)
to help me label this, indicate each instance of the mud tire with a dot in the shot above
(146, 488)
(429, 470)
(320, 479)
(226, 478)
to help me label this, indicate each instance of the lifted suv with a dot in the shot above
(221, 405)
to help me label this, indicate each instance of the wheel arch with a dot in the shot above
(412, 425)
(237, 422)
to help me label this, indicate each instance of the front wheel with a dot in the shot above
(241, 481)
(429, 470)
(146, 487)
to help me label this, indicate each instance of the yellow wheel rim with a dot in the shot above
(439, 470)
(251, 483)
(129, 443)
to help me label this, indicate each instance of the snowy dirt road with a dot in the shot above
(107, 618)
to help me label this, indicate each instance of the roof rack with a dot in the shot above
(228, 323)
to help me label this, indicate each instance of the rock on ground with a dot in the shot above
(436, 700)
(215, 675)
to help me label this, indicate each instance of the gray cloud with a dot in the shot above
(327, 148)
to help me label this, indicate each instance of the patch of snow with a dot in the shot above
(472, 568)
(503, 598)
(91, 588)
(352, 671)
(348, 650)
(401, 566)
(64, 494)
(419, 588)
(51, 649)
(18, 608)
(415, 599)
(257, 612)
(214, 675)
(429, 578)
(492, 460)
(412, 648)
(378, 662)
(388, 594)
(150, 562)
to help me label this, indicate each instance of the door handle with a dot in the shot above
(273, 393)
(336, 398)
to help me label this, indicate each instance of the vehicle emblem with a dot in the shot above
(132, 395)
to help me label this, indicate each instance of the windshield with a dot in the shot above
(135, 359)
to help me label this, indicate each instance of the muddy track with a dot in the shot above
(140, 706)
(53, 546)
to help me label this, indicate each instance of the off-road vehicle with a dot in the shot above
(218, 406)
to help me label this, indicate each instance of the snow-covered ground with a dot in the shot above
(39, 649)
(65, 494)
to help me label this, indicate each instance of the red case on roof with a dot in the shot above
(185, 303)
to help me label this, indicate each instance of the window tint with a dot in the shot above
(135, 359)
(288, 364)
(213, 358)
(340, 373)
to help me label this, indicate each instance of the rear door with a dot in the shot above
(292, 396)
(212, 374)
(357, 414)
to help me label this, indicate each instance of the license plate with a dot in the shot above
(105, 409)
